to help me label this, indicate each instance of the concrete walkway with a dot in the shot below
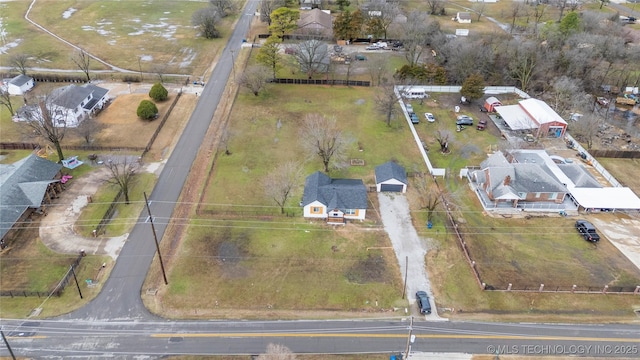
(410, 249)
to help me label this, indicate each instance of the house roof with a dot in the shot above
(391, 170)
(579, 176)
(540, 111)
(71, 96)
(22, 186)
(621, 198)
(20, 80)
(516, 118)
(315, 16)
(523, 176)
(335, 193)
(492, 100)
(464, 16)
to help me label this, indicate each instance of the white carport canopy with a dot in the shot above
(516, 118)
(616, 198)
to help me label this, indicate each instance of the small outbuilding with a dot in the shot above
(20, 85)
(463, 18)
(391, 177)
(491, 103)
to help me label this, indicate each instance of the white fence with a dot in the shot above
(596, 165)
(488, 90)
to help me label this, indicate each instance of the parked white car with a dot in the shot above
(429, 117)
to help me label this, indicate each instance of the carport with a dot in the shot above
(605, 199)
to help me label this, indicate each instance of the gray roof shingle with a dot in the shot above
(391, 170)
(335, 193)
(20, 80)
(23, 185)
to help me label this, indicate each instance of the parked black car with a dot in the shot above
(587, 230)
(423, 302)
(414, 118)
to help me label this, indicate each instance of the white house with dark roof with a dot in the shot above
(336, 200)
(463, 18)
(70, 105)
(391, 177)
(19, 85)
(24, 186)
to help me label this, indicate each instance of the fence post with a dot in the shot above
(606, 287)
(573, 289)
(541, 287)
(484, 286)
(509, 287)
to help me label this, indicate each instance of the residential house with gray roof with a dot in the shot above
(70, 105)
(25, 186)
(19, 85)
(336, 200)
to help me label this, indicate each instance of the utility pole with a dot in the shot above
(406, 272)
(155, 238)
(7, 344)
(410, 340)
(76, 279)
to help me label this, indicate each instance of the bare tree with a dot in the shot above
(277, 352)
(322, 137)
(224, 7)
(5, 100)
(523, 63)
(160, 69)
(377, 68)
(387, 102)
(87, 129)
(586, 129)
(280, 184)
(46, 120)
(567, 93)
(313, 57)
(20, 63)
(538, 13)
(206, 20)
(479, 8)
(83, 61)
(254, 78)
(517, 8)
(416, 36)
(122, 171)
(435, 7)
(428, 196)
(267, 7)
(380, 14)
(443, 137)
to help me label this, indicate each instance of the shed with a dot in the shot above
(491, 103)
(463, 18)
(20, 85)
(391, 177)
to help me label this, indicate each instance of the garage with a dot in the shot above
(391, 187)
(391, 177)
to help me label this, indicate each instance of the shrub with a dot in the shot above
(158, 92)
(147, 110)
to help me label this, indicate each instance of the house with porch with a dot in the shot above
(506, 183)
(69, 105)
(535, 116)
(26, 186)
(335, 200)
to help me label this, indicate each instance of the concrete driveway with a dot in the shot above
(410, 249)
(623, 233)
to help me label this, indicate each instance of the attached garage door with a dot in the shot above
(390, 187)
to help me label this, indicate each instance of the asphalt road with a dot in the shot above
(63, 339)
(117, 325)
(120, 296)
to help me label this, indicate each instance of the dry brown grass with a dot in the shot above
(624, 170)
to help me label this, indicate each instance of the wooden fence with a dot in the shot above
(109, 213)
(615, 154)
(55, 291)
(320, 82)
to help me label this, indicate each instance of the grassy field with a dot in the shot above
(624, 170)
(30, 266)
(140, 36)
